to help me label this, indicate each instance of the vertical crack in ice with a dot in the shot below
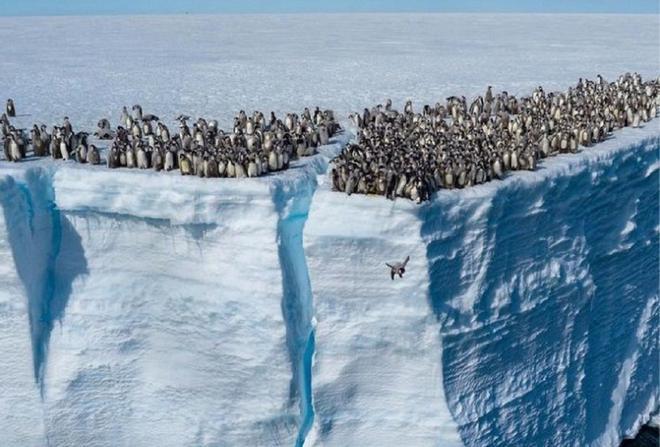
(37, 234)
(292, 198)
(297, 298)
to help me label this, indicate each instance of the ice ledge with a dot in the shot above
(168, 196)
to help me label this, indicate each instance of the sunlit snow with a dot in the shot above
(141, 309)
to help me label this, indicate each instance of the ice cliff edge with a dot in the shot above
(260, 312)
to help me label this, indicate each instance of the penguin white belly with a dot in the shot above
(15, 151)
(64, 151)
(169, 161)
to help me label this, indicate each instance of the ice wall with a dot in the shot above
(547, 290)
(157, 309)
(378, 369)
(141, 308)
(533, 301)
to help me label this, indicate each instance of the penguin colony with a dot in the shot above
(457, 145)
(254, 147)
(396, 154)
(61, 143)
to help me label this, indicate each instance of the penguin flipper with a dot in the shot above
(406, 261)
(392, 274)
(390, 266)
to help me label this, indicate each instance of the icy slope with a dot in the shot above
(533, 302)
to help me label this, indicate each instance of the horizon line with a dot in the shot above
(243, 13)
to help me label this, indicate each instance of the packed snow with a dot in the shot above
(140, 309)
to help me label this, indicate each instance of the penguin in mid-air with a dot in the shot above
(398, 268)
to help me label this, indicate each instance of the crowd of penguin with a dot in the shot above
(408, 154)
(255, 146)
(61, 143)
(460, 144)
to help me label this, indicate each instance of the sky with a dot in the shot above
(100, 7)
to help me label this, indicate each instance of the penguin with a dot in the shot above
(199, 166)
(39, 145)
(403, 180)
(81, 154)
(141, 159)
(122, 157)
(168, 164)
(5, 147)
(398, 268)
(125, 119)
(14, 151)
(68, 128)
(489, 95)
(514, 160)
(93, 157)
(64, 149)
(252, 169)
(230, 169)
(506, 160)
(10, 108)
(211, 168)
(324, 136)
(185, 165)
(157, 160)
(130, 158)
(137, 112)
(497, 168)
(239, 170)
(113, 158)
(272, 161)
(351, 184)
(544, 146)
(103, 131)
(146, 128)
(164, 132)
(222, 168)
(449, 179)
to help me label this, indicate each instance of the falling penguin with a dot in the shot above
(398, 268)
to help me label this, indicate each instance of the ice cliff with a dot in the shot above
(140, 309)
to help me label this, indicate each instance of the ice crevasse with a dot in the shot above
(260, 312)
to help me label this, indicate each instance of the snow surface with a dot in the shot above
(141, 309)
(213, 66)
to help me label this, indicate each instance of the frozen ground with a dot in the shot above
(214, 65)
(140, 309)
